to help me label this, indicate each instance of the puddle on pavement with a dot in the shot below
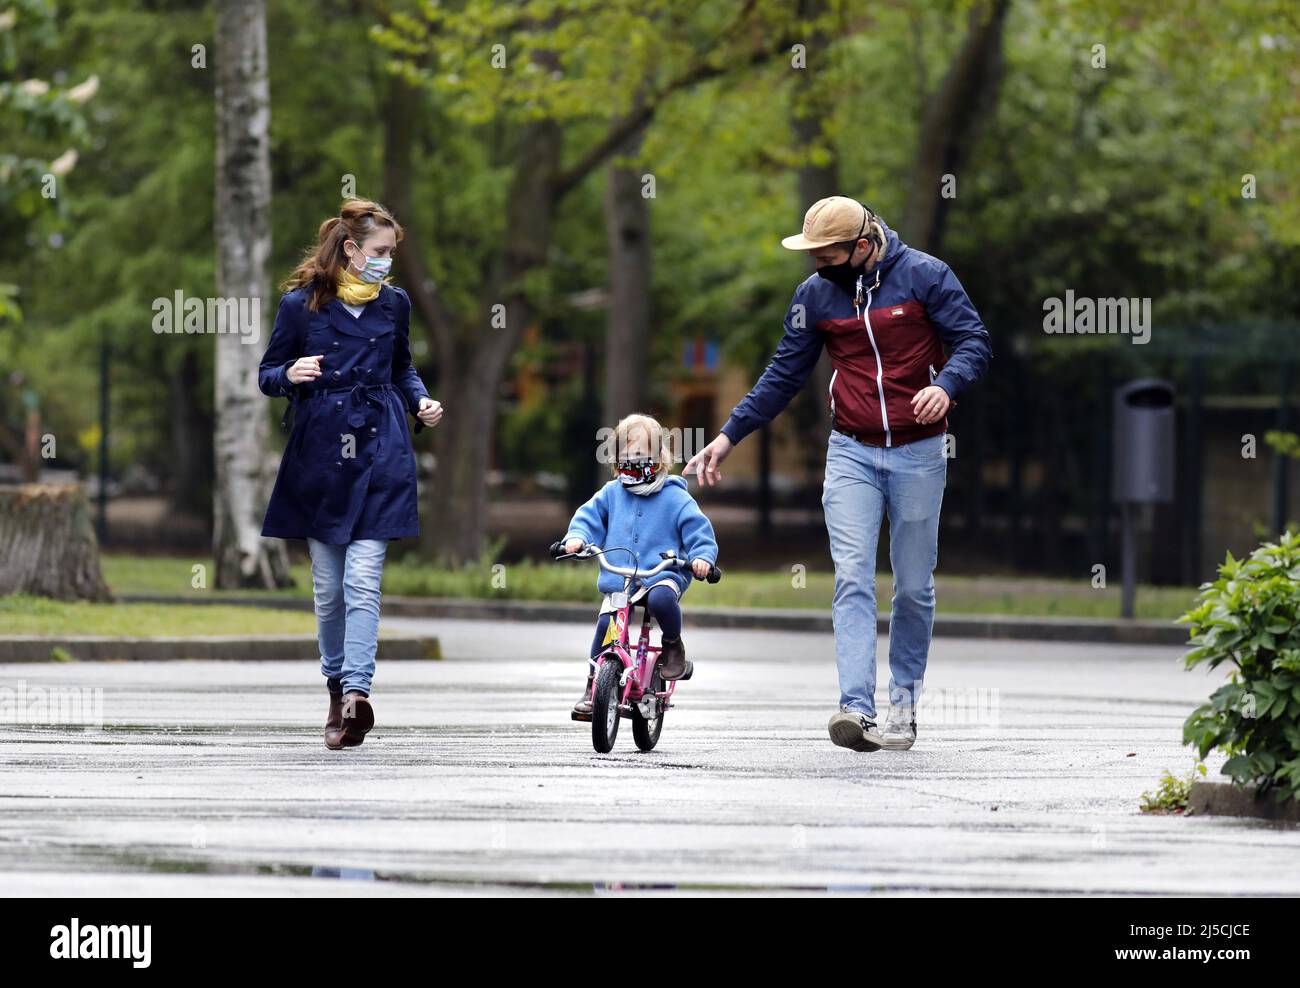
(107, 860)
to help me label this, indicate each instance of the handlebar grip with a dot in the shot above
(557, 550)
(715, 574)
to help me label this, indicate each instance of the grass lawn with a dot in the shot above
(169, 575)
(23, 615)
(751, 588)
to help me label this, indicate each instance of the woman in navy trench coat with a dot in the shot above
(340, 353)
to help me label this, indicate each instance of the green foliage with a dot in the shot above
(1172, 794)
(43, 126)
(1250, 617)
(575, 59)
(1285, 443)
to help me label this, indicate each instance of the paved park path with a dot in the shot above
(210, 778)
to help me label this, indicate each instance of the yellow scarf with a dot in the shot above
(354, 291)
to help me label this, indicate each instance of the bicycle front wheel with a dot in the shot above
(604, 706)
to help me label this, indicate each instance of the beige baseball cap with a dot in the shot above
(830, 221)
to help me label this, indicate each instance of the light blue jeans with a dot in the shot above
(863, 485)
(345, 582)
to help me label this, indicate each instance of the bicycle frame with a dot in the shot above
(629, 689)
(638, 665)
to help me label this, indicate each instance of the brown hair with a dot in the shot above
(320, 266)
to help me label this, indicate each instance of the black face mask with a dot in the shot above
(845, 274)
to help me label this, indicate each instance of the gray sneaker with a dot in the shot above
(850, 729)
(900, 727)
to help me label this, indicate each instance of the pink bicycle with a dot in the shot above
(627, 682)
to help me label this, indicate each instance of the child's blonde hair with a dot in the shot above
(654, 432)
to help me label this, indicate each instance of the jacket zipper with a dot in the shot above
(880, 370)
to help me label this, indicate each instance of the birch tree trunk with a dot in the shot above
(243, 182)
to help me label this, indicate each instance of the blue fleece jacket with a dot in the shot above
(647, 525)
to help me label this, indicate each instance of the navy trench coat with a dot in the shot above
(348, 470)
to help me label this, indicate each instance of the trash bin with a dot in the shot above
(1143, 448)
(1142, 470)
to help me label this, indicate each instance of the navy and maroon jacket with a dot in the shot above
(892, 345)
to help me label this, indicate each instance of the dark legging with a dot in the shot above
(662, 604)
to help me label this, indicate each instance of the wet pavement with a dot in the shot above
(210, 778)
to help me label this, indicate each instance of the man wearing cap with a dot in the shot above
(885, 313)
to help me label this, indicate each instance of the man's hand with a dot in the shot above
(430, 412)
(304, 369)
(700, 567)
(930, 404)
(706, 462)
(573, 545)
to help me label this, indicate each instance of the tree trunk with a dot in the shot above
(473, 357)
(474, 362)
(817, 180)
(401, 117)
(191, 439)
(243, 558)
(627, 328)
(454, 515)
(48, 545)
(966, 95)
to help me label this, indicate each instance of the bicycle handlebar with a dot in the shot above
(669, 562)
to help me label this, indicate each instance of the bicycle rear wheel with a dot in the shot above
(646, 731)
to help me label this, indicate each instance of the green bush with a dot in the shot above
(1172, 794)
(1250, 617)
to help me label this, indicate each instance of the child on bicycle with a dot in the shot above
(646, 511)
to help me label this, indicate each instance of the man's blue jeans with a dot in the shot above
(345, 580)
(863, 485)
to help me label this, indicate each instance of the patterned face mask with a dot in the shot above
(636, 470)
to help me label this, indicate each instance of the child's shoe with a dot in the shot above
(582, 709)
(672, 660)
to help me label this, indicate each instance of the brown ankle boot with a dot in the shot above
(582, 709)
(672, 660)
(358, 718)
(334, 722)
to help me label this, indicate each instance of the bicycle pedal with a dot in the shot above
(584, 718)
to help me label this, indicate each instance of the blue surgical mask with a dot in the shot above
(375, 269)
